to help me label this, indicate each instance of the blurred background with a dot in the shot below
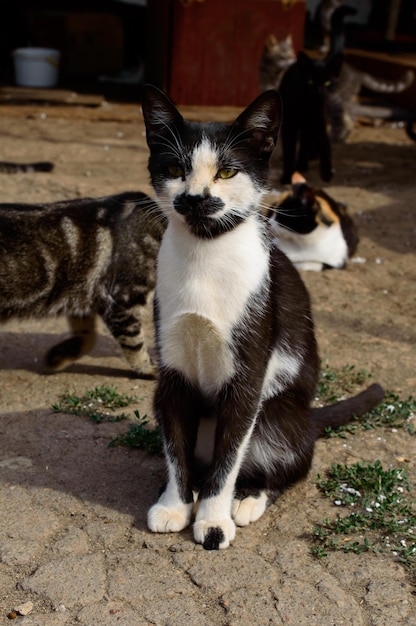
(200, 52)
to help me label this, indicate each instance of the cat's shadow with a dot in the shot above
(66, 457)
(64, 453)
(27, 351)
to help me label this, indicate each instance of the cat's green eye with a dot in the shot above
(175, 170)
(226, 172)
(327, 83)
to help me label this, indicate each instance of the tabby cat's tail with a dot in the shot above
(11, 168)
(388, 86)
(341, 412)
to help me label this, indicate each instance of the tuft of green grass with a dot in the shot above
(100, 405)
(379, 515)
(393, 412)
(334, 384)
(139, 435)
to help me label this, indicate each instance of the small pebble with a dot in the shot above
(25, 608)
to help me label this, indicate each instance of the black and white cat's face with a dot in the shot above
(209, 176)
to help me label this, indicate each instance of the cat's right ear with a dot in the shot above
(261, 119)
(160, 114)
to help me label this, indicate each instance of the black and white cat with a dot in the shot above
(238, 361)
(82, 258)
(313, 229)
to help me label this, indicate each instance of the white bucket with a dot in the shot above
(36, 67)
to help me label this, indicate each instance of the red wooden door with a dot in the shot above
(217, 45)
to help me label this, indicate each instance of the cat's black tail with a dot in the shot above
(341, 412)
(337, 37)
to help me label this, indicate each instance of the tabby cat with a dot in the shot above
(344, 91)
(10, 167)
(277, 56)
(313, 230)
(343, 88)
(82, 258)
(237, 355)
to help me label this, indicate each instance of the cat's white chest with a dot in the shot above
(203, 289)
(324, 245)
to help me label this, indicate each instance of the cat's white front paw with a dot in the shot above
(164, 519)
(214, 534)
(248, 509)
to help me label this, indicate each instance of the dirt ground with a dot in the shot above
(73, 536)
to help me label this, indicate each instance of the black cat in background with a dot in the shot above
(304, 128)
(304, 90)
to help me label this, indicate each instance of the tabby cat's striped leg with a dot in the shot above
(82, 340)
(126, 327)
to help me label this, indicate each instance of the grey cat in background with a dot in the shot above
(344, 89)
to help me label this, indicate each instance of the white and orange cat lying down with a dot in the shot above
(311, 228)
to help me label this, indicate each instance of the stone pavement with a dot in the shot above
(73, 536)
(74, 542)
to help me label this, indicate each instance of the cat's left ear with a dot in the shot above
(160, 114)
(261, 121)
